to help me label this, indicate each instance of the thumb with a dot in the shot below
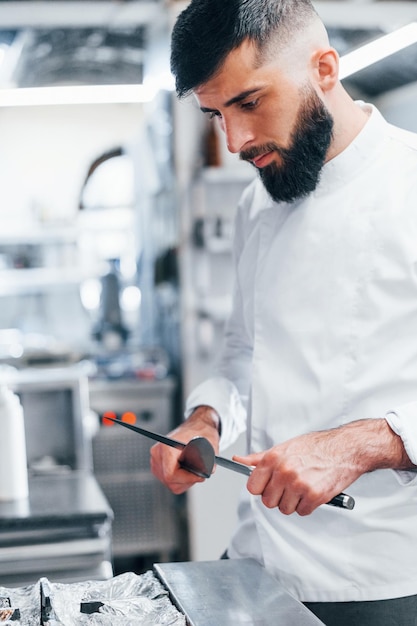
(249, 459)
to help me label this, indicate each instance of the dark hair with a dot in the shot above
(207, 30)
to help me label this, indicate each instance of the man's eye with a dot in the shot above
(214, 114)
(250, 105)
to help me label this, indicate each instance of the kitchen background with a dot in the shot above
(115, 258)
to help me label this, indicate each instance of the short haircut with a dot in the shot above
(208, 30)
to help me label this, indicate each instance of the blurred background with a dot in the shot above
(116, 218)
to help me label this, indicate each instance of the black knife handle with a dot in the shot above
(343, 501)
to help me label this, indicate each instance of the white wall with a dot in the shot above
(45, 153)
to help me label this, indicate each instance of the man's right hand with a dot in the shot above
(203, 422)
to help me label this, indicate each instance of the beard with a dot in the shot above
(303, 161)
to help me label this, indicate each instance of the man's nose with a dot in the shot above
(237, 135)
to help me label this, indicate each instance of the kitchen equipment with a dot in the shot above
(110, 329)
(63, 531)
(13, 465)
(231, 592)
(149, 521)
(56, 409)
(198, 457)
(63, 528)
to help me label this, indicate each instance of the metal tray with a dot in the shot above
(232, 592)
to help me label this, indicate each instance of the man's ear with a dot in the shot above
(325, 66)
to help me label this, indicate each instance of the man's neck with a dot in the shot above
(349, 119)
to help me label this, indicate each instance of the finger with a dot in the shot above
(260, 483)
(270, 491)
(178, 482)
(249, 459)
(275, 495)
(308, 504)
(289, 502)
(305, 508)
(165, 467)
(163, 460)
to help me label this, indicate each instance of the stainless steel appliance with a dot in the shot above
(56, 410)
(63, 529)
(148, 518)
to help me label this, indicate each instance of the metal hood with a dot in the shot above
(106, 42)
(79, 43)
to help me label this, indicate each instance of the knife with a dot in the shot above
(198, 457)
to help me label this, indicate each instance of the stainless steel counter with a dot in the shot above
(210, 593)
(232, 592)
(63, 531)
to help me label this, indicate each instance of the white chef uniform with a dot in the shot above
(324, 331)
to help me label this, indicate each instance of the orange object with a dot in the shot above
(129, 418)
(107, 422)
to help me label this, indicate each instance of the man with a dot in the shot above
(320, 356)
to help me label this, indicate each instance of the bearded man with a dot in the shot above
(319, 364)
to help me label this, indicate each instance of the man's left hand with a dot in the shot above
(309, 470)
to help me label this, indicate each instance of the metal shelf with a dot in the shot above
(33, 280)
(38, 235)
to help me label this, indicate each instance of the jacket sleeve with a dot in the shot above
(229, 389)
(403, 421)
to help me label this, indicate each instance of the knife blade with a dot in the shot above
(201, 459)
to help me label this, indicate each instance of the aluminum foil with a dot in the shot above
(125, 600)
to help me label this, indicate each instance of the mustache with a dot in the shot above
(252, 153)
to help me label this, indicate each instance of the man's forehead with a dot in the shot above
(244, 54)
(239, 76)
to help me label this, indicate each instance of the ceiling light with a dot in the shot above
(80, 94)
(377, 50)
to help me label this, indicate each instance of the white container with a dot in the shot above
(13, 461)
